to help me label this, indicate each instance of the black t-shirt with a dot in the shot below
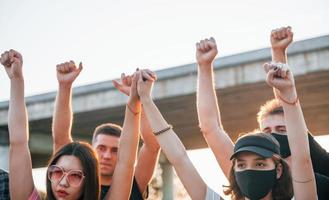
(320, 162)
(322, 186)
(134, 195)
(319, 156)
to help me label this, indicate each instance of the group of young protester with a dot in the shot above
(279, 161)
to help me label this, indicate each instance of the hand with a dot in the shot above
(67, 72)
(206, 51)
(133, 94)
(145, 84)
(125, 85)
(12, 61)
(280, 78)
(281, 38)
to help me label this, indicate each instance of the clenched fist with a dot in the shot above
(281, 78)
(13, 62)
(67, 72)
(281, 38)
(206, 51)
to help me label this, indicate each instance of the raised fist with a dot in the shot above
(279, 76)
(281, 38)
(12, 61)
(206, 51)
(67, 72)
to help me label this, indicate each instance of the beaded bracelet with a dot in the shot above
(163, 130)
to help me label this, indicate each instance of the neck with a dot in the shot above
(106, 180)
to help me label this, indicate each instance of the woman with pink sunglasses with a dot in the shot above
(73, 171)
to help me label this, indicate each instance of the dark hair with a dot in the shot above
(282, 189)
(84, 152)
(107, 129)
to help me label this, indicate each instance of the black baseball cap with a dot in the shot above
(258, 143)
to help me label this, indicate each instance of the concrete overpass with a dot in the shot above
(240, 86)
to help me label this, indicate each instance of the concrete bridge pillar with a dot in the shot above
(167, 178)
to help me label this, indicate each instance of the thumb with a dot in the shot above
(267, 67)
(80, 67)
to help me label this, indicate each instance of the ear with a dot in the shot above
(279, 171)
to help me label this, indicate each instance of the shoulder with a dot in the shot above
(34, 195)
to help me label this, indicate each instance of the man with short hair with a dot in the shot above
(106, 137)
(4, 185)
(271, 119)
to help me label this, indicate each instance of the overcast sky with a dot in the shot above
(111, 37)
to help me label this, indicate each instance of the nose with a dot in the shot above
(107, 154)
(63, 182)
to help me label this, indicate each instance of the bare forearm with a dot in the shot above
(296, 126)
(21, 182)
(17, 119)
(301, 164)
(62, 118)
(129, 137)
(148, 137)
(207, 106)
(279, 55)
(124, 170)
(210, 122)
(169, 143)
(175, 152)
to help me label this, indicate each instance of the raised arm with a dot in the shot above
(282, 80)
(280, 40)
(148, 154)
(170, 144)
(62, 117)
(207, 106)
(124, 170)
(20, 165)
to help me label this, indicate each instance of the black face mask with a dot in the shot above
(284, 144)
(255, 184)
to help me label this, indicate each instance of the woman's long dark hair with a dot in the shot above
(84, 152)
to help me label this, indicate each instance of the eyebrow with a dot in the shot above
(239, 159)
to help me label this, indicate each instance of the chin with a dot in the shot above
(106, 172)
